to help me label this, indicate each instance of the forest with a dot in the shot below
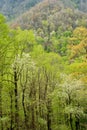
(43, 69)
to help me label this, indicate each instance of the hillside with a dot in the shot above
(58, 14)
(13, 8)
(81, 4)
(52, 18)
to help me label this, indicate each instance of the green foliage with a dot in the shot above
(35, 92)
(63, 127)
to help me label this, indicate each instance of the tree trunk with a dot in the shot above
(71, 121)
(39, 84)
(49, 114)
(16, 100)
(33, 119)
(11, 109)
(24, 109)
(77, 123)
(1, 86)
(32, 96)
(1, 106)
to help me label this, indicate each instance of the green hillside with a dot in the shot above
(43, 65)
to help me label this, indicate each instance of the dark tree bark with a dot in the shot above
(23, 84)
(33, 119)
(24, 109)
(77, 124)
(71, 122)
(16, 99)
(49, 114)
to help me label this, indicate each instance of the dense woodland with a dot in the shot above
(14, 8)
(43, 69)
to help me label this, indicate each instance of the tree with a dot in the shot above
(4, 45)
(69, 97)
